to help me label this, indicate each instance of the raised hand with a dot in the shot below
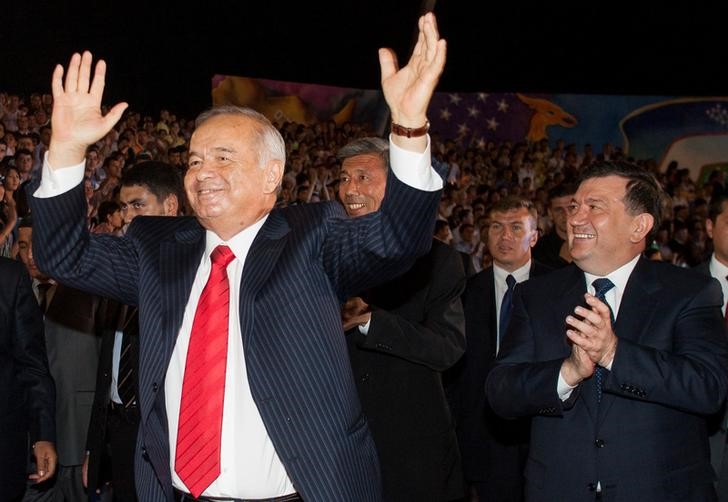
(408, 90)
(77, 120)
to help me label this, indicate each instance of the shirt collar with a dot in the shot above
(520, 274)
(239, 244)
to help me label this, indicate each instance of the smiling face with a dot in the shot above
(226, 185)
(511, 235)
(362, 183)
(602, 235)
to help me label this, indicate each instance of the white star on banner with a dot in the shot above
(492, 124)
(482, 96)
(502, 106)
(455, 99)
(463, 129)
(473, 111)
(445, 114)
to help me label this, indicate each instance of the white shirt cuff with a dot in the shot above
(364, 328)
(57, 181)
(564, 389)
(414, 169)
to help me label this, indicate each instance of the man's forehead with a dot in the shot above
(363, 162)
(130, 193)
(509, 215)
(612, 187)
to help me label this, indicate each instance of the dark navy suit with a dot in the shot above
(647, 438)
(303, 263)
(27, 393)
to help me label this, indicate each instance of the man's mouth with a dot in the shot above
(583, 236)
(355, 206)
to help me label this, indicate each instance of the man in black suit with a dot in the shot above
(716, 226)
(147, 189)
(494, 450)
(552, 249)
(282, 420)
(73, 322)
(401, 336)
(27, 394)
(617, 359)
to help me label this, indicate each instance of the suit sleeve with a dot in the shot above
(438, 340)
(359, 253)
(519, 386)
(101, 264)
(692, 373)
(32, 361)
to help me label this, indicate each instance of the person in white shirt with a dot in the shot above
(291, 427)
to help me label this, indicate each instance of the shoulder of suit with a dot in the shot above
(8, 266)
(677, 277)
(310, 213)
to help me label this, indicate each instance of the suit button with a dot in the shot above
(365, 377)
(155, 387)
(599, 443)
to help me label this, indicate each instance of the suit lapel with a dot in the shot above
(178, 263)
(639, 303)
(259, 264)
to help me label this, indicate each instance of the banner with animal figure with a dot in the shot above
(692, 131)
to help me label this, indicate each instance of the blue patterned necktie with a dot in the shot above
(601, 286)
(506, 306)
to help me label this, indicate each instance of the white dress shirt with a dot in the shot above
(719, 272)
(250, 467)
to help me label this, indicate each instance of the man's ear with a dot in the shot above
(641, 226)
(273, 176)
(171, 205)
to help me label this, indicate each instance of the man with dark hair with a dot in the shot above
(27, 392)
(552, 249)
(281, 419)
(401, 336)
(618, 359)
(494, 450)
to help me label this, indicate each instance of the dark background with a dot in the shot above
(163, 55)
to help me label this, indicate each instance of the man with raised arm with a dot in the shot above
(245, 390)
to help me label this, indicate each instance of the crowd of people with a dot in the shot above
(407, 418)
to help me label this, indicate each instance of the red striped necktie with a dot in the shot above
(197, 459)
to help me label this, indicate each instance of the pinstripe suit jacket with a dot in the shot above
(304, 261)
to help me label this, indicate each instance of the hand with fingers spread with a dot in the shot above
(77, 120)
(408, 90)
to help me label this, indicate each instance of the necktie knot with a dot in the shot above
(510, 281)
(221, 256)
(601, 286)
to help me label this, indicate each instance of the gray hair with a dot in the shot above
(270, 141)
(364, 146)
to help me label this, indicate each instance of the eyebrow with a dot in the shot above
(224, 149)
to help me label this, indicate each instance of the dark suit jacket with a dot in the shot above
(73, 324)
(716, 430)
(303, 263)
(96, 438)
(493, 448)
(647, 439)
(416, 332)
(27, 393)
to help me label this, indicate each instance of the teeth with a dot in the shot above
(584, 236)
(356, 206)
